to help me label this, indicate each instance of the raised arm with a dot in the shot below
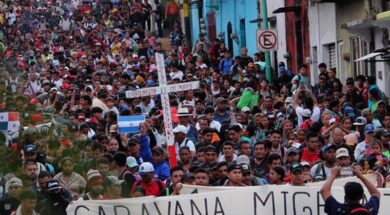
(370, 186)
(326, 187)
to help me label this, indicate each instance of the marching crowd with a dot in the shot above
(66, 67)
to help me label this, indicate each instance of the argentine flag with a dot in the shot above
(130, 124)
(9, 121)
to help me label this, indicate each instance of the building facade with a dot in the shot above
(232, 21)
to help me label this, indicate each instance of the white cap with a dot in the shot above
(146, 167)
(342, 152)
(131, 162)
(245, 109)
(289, 100)
(180, 128)
(306, 113)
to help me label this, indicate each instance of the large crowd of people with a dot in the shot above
(66, 67)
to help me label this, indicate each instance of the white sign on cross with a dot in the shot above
(164, 89)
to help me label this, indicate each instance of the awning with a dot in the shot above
(295, 9)
(369, 56)
(383, 52)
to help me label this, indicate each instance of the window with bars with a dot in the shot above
(359, 48)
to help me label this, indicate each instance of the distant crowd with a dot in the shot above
(66, 67)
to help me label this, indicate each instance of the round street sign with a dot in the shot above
(267, 40)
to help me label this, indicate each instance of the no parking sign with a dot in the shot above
(267, 40)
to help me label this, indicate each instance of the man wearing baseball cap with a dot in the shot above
(181, 140)
(362, 146)
(297, 176)
(94, 185)
(130, 176)
(343, 158)
(56, 198)
(234, 176)
(322, 169)
(10, 200)
(152, 186)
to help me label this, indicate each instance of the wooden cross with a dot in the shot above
(164, 89)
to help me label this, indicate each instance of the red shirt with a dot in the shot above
(310, 157)
(152, 189)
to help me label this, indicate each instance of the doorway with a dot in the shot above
(211, 27)
(230, 39)
(242, 33)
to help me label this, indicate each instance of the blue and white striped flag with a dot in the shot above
(130, 124)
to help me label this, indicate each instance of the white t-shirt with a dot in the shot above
(214, 124)
(314, 168)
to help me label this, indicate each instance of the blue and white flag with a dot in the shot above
(130, 124)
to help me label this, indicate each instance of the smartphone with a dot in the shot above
(346, 171)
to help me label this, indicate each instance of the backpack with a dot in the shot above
(360, 210)
(320, 174)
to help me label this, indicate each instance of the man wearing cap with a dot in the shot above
(343, 160)
(10, 200)
(184, 116)
(297, 176)
(247, 176)
(161, 166)
(362, 147)
(130, 176)
(180, 133)
(292, 156)
(360, 122)
(31, 153)
(112, 188)
(94, 185)
(322, 169)
(234, 176)
(210, 154)
(56, 199)
(152, 186)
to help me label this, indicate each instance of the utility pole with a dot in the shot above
(264, 13)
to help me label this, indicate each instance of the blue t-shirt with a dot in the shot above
(333, 207)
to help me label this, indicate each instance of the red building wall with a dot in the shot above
(297, 31)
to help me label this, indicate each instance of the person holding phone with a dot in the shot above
(354, 193)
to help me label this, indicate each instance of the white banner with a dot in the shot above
(152, 91)
(260, 200)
